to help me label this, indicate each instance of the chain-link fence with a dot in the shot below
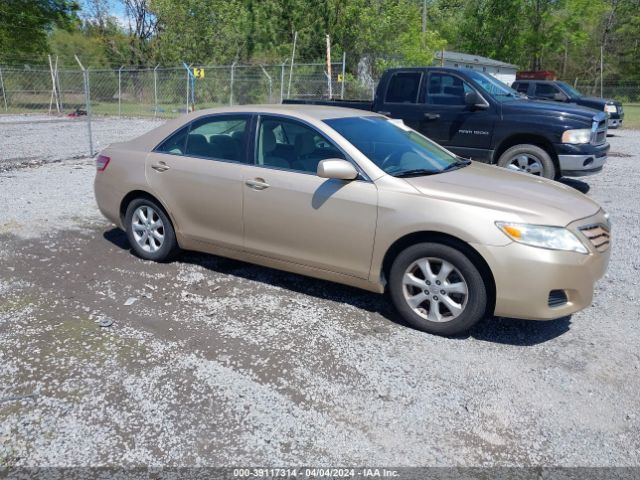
(164, 92)
(625, 93)
(167, 92)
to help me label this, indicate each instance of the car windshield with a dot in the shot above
(569, 89)
(394, 147)
(493, 86)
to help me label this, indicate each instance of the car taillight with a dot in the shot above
(101, 162)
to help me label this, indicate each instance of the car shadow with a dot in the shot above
(579, 185)
(490, 329)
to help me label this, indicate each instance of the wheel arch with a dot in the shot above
(526, 139)
(445, 239)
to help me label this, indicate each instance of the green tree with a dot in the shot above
(25, 24)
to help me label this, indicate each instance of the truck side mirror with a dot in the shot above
(560, 97)
(473, 101)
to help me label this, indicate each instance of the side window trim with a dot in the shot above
(188, 126)
(256, 134)
(418, 90)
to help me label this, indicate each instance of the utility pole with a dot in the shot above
(424, 16)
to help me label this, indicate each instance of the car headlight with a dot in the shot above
(610, 108)
(582, 135)
(541, 236)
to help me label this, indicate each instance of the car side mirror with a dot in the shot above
(474, 101)
(336, 168)
(559, 97)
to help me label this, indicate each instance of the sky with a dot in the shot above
(116, 9)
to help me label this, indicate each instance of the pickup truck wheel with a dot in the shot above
(437, 289)
(528, 159)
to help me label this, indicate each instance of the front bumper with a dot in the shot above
(525, 277)
(581, 160)
(615, 122)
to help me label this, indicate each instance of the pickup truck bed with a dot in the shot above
(357, 104)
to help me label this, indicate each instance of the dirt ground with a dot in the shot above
(106, 359)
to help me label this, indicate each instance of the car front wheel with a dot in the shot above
(149, 230)
(437, 289)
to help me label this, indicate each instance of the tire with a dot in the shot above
(529, 159)
(422, 315)
(150, 240)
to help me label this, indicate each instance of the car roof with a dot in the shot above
(317, 112)
(311, 113)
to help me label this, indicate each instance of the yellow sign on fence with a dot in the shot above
(198, 72)
(340, 78)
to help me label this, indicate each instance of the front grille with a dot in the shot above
(557, 298)
(600, 134)
(598, 235)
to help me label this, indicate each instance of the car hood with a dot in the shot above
(600, 101)
(536, 107)
(516, 196)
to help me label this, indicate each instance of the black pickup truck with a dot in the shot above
(476, 116)
(563, 92)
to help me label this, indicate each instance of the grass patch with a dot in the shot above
(632, 115)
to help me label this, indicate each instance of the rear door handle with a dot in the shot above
(160, 166)
(431, 116)
(257, 184)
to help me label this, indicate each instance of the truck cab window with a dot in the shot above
(403, 87)
(522, 87)
(546, 90)
(445, 89)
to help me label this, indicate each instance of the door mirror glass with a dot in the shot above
(338, 169)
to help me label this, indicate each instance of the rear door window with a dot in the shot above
(218, 138)
(175, 144)
(403, 87)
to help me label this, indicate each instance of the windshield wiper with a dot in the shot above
(462, 162)
(416, 172)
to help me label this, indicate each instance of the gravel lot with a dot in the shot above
(34, 139)
(209, 361)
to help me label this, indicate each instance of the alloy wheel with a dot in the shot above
(435, 289)
(147, 228)
(526, 163)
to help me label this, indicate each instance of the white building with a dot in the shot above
(503, 71)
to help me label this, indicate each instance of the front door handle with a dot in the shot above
(160, 166)
(431, 116)
(257, 184)
(385, 113)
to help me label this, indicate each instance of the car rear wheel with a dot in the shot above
(149, 230)
(528, 159)
(437, 289)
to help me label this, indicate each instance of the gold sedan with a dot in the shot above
(362, 200)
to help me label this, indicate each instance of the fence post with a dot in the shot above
(233, 66)
(4, 93)
(87, 99)
(58, 86)
(344, 61)
(270, 83)
(282, 79)
(155, 91)
(293, 56)
(120, 91)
